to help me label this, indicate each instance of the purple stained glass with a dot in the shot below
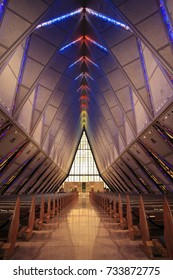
(3, 4)
(167, 20)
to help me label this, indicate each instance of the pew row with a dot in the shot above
(9, 225)
(156, 226)
(148, 217)
(20, 215)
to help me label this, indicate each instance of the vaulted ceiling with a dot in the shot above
(100, 65)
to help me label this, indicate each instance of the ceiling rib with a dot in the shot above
(163, 62)
(26, 34)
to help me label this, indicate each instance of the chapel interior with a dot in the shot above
(86, 129)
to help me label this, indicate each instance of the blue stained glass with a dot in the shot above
(89, 76)
(74, 63)
(3, 4)
(70, 44)
(58, 19)
(167, 20)
(83, 75)
(96, 44)
(143, 66)
(110, 20)
(22, 66)
(78, 76)
(24, 59)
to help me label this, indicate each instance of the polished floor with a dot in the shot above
(82, 232)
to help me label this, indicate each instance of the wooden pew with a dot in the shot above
(27, 230)
(39, 214)
(122, 212)
(133, 219)
(47, 210)
(110, 205)
(27, 213)
(113, 207)
(152, 230)
(145, 216)
(53, 204)
(168, 227)
(8, 233)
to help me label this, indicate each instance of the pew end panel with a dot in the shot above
(168, 227)
(7, 246)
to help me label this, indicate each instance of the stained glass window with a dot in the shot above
(84, 168)
(3, 4)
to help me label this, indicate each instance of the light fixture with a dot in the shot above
(84, 38)
(88, 76)
(105, 18)
(78, 76)
(95, 43)
(84, 97)
(58, 19)
(74, 63)
(83, 59)
(89, 60)
(71, 44)
(83, 75)
(83, 87)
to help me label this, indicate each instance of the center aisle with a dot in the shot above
(83, 232)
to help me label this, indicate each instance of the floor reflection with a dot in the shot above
(83, 232)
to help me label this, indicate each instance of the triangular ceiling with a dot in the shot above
(102, 66)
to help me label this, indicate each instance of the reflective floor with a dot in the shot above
(82, 232)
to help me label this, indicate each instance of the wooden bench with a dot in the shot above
(39, 212)
(122, 211)
(47, 209)
(168, 226)
(148, 217)
(27, 218)
(156, 227)
(27, 213)
(9, 225)
(133, 218)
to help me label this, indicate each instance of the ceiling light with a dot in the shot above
(58, 19)
(70, 44)
(78, 76)
(85, 57)
(96, 44)
(105, 18)
(74, 63)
